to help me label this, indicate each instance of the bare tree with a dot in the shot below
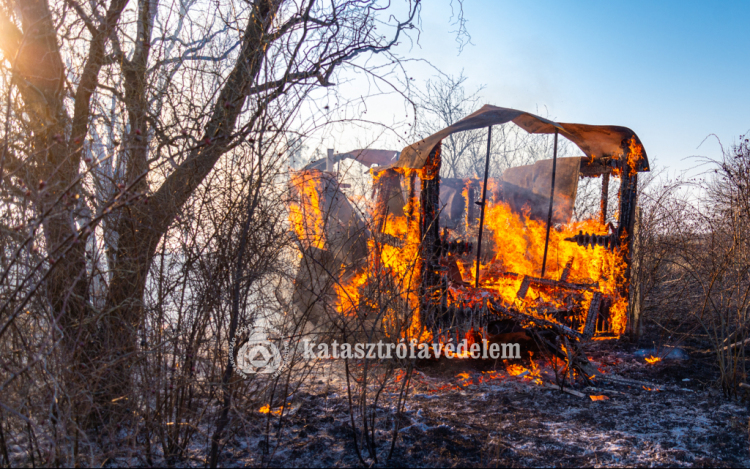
(123, 120)
(445, 101)
(693, 264)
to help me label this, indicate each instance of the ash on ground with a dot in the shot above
(475, 413)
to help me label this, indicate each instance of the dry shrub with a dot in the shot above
(695, 263)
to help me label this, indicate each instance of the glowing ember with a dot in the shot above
(599, 398)
(464, 379)
(266, 409)
(651, 360)
(530, 374)
(515, 370)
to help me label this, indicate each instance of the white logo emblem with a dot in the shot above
(256, 356)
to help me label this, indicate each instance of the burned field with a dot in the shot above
(422, 261)
(472, 413)
(497, 260)
(271, 233)
(415, 266)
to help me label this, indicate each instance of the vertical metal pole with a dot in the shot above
(605, 197)
(551, 202)
(329, 160)
(482, 203)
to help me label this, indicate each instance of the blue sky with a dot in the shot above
(674, 72)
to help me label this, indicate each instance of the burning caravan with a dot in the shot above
(465, 257)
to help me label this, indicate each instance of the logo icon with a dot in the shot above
(256, 356)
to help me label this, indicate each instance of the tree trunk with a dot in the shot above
(635, 300)
(143, 225)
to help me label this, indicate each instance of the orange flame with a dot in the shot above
(531, 374)
(266, 409)
(634, 155)
(306, 211)
(520, 249)
(514, 246)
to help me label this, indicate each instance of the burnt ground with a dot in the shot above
(461, 414)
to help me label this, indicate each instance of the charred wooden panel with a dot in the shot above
(431, 281)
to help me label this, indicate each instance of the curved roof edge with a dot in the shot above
(594, 140)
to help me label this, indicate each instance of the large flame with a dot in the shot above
(306, 212)
(514, 244)
(519, 248)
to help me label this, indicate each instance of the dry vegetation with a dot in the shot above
(694, 266)
(143, 167)
(144, 228)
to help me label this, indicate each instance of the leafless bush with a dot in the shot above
(695, 264)
(143, 223)
(445, 101)
(346, 295)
